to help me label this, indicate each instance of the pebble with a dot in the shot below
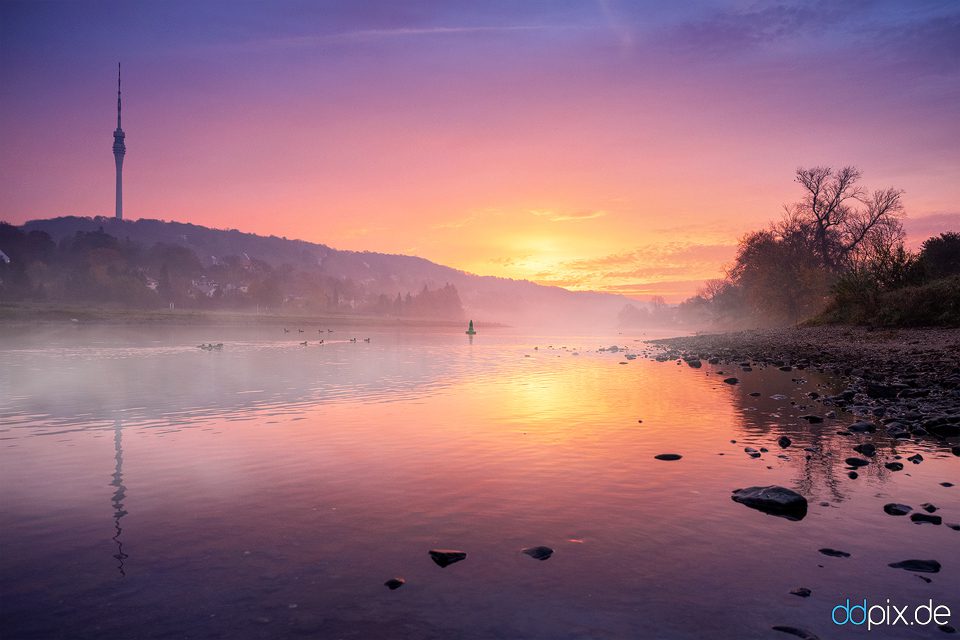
(538, 553)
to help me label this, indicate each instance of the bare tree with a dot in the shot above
(841, 217)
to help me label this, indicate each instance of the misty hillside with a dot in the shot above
(486, 298)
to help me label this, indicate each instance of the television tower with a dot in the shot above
(119, 150)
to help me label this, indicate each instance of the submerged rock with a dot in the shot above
(812, 419)
(773, 500)
(916, 458)
(803, 592)
(853, 475)
(920, 566)
(668, 456)
(834, 553)
(538, 553)
(446, 557)
(862, 427)
(784, 441)
(896, 509)
(894, 466)
(857, 462)
(928, 507)
(394, 583)
(803, 634)
(731, 380)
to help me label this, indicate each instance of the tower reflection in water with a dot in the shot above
(119, 494)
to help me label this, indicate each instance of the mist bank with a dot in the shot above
(106, 268)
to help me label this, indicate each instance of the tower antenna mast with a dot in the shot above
(119, 150)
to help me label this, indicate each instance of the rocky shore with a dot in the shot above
(908, 380)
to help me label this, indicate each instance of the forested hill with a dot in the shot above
(200, 266)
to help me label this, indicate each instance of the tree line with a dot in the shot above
(836, 255)
(94, 267)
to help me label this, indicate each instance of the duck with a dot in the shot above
(285, 330)
(353, 339)
(366, 339)
(304, 343)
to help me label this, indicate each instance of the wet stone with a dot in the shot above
(803, 592)
(922, 518)
(920, 566)
(857, 462)
(539, 553)
(866, 449)
(897, 509)
(668, 456)
(394, 583)
(803, 634)
(894, 466)
(834, 553)
(784, 441)
(773, 500)
(446, 557)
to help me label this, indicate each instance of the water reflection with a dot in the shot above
(119, 494)
(278, 486)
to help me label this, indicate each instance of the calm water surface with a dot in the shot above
(150, 489)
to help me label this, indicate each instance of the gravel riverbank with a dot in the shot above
(907, 380)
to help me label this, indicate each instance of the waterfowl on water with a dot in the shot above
(366, 339)
(285, 330)
(304, 343)
(353, 339)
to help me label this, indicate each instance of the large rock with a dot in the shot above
(920, 566)
(774, 500)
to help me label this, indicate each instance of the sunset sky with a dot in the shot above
(608, 145)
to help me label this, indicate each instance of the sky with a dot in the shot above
(606, 145)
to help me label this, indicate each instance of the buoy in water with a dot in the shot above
(470, 331)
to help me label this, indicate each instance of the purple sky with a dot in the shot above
(618, 146)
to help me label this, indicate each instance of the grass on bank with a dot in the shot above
(932, 304)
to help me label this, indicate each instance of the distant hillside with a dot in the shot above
(517, 302)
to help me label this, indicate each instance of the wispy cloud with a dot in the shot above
(554, 216)
(394, 33)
